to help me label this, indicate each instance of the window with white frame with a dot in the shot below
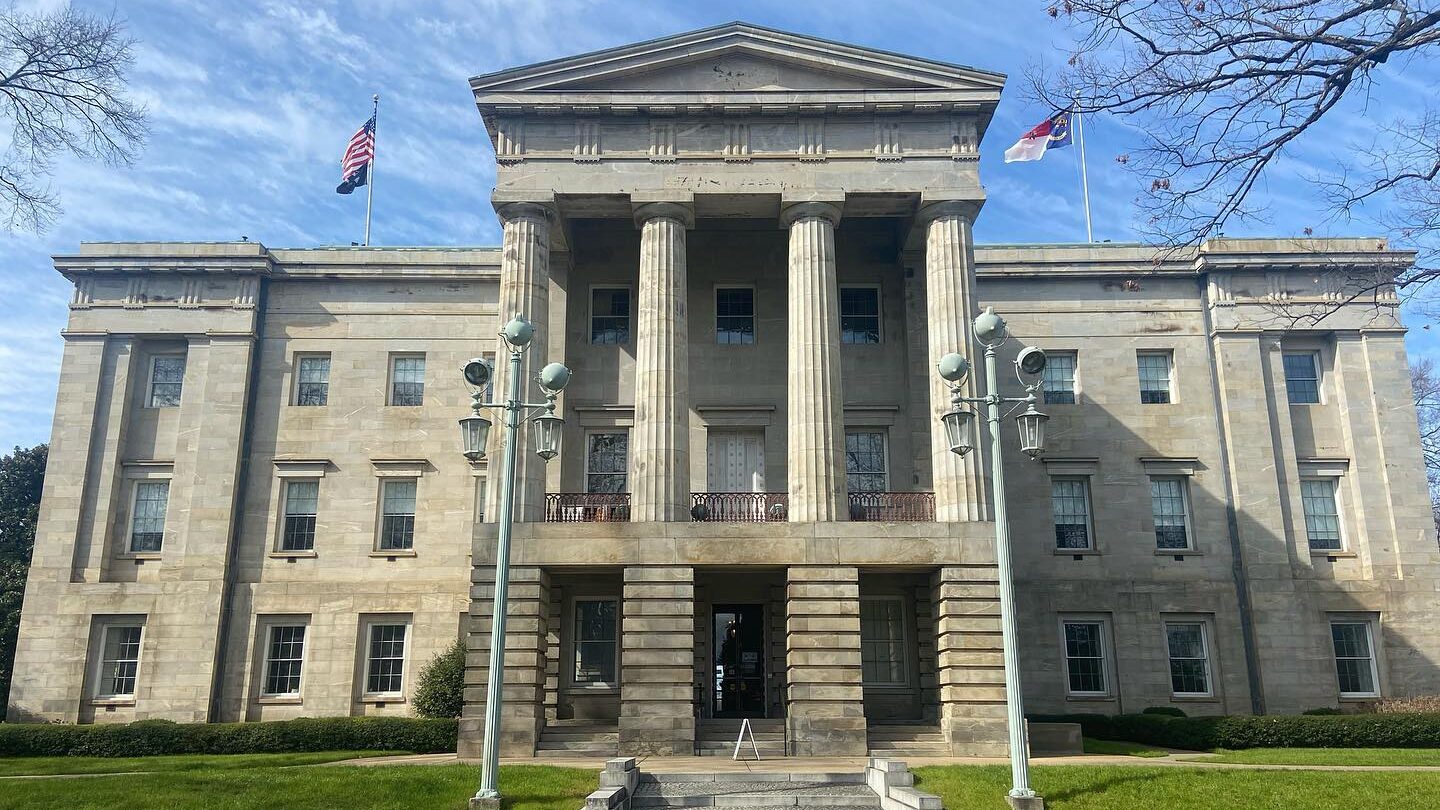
(607, 459)
(284, 657)
(119, 660)
(1302, 377)
(1170, 508)
(596, 640)
(865, 461)
(312, 380)
(1354, 646)
(882, 641)
(167, 378)
(1070, 502)
(1058, 379)
(385, 658)
(1322, 515)
(407, 380)
(1155, 377)
(302, 499)
(1085, 666)
(1187, 647)
(610, 316)
(734, 316)
(859, 315)
(147, 516)
(397, 514)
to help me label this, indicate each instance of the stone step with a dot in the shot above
(753, 792)
(830, 778)
(578, 747)
(580, 736)
(902, 732)
(577, 723)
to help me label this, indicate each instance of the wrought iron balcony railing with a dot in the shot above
(739, 507)
(892, 506)
(587, 507)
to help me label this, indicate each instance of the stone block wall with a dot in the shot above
(657, 660)
(825, 705)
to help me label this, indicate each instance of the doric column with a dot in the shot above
(824, 701)
(524, 289)
(816, 410)
(660, 439)
(657, 661)
(961, 491)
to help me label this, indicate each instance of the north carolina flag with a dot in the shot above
(1052, 133)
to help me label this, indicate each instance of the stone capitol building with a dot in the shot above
(751, 247)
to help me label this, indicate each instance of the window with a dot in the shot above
(1070, 500)
(595, 640)
(859, 315)
(1302, 377)
(385, 663)
(167, 376)
(1154, 377)
(283, 659)
(607, 456)
(1354, 658)
(1322, 516)
(610, 316)
(1167, 504)
(301, 498)
(882, 641)
(1058, 379)
(312, 380)
(119, 661)
(1085, 657)
(147, 520)
(1185, 644)
(865, 462)
(735, 316)
(407, 380)
(397, 514)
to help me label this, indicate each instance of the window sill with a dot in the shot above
(407, 552)
(278, 700)
(1077, 552)
(281, 555)
(1194, 699)
(112, 701)
(382, 699)
(141, 555)
(1090, 698)
(1345, 554)
(1178, 552)
(592, 689)
(1359, 698)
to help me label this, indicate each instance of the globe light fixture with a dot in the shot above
(518, 332)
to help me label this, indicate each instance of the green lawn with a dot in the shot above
(1128, 787)
(1122, 749)
(25, 766)
(1330, 756)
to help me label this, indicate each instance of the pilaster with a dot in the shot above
(825, 702)
(970, 661)
(527, 640)
(657, 666)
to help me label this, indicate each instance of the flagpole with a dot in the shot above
(375, 148)
(1084, 177)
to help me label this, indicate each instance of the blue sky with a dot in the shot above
(251, 104)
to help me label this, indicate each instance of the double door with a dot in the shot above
(738, 645)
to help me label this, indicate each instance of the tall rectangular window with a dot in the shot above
(1155, 382)
(407, 380)
(1322, 516)
(734, 316)
(312, 380)
(397, 514)
(147, 521)
(1070, 501)
(1058, 380)
(385, 661)
(1354, 658)
(1186, 647)
(865, 462)
(283, 658)
(1302, 377)
(1085, 668)
(882, 641)
(167, 377)
(119, 661)
(859, 315)
(301, 501)
(1169, 508)
(607, 458)
(610, 316)
(596, 635)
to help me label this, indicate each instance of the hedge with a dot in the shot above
(1266, 731)
(156, 737)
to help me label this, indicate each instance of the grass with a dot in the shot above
(1330, 756)
(1122, 749)
(27, 766)
(1126, 787)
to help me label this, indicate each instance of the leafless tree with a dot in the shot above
(62, 90)
(1425, 381)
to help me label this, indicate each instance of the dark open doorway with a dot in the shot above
(739, 665)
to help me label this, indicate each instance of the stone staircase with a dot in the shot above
(714, 738)
(579, 738)
(883, 784)
(907, 740)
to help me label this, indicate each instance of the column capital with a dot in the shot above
(511, 211)
(936, 209)
(684, 213)
(810, 209)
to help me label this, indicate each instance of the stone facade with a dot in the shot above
(750, 247)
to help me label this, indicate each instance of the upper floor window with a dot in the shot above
(1322, 516)
(284, 656)
(397, 514)
(1058, 380)
(1189, 654)
(301, 502)
(734, 315)
(1169, 506)
(167, 377)
(865, 462)
(607, 460)
(1302, 377)
(147, 519)
(1155, 377)
(596, 640)
(312, 379)
(610, 316)
(407, 379)
(1086, 672)
(385, 659)
(859, 315)
(119, 661)
(1354, 658)
(1070, 501)
(882, 641)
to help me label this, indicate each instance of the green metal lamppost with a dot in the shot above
(474, 432)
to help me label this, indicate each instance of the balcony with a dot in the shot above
(739, 507)
(892, 507)
(587, 507)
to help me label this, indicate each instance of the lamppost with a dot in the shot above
(959, 430)
(474, 431)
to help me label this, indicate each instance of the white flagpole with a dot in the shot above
(1084, 177)
(370, 172)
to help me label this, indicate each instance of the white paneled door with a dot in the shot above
(737, 461)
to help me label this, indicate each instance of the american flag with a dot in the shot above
(355, 165)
